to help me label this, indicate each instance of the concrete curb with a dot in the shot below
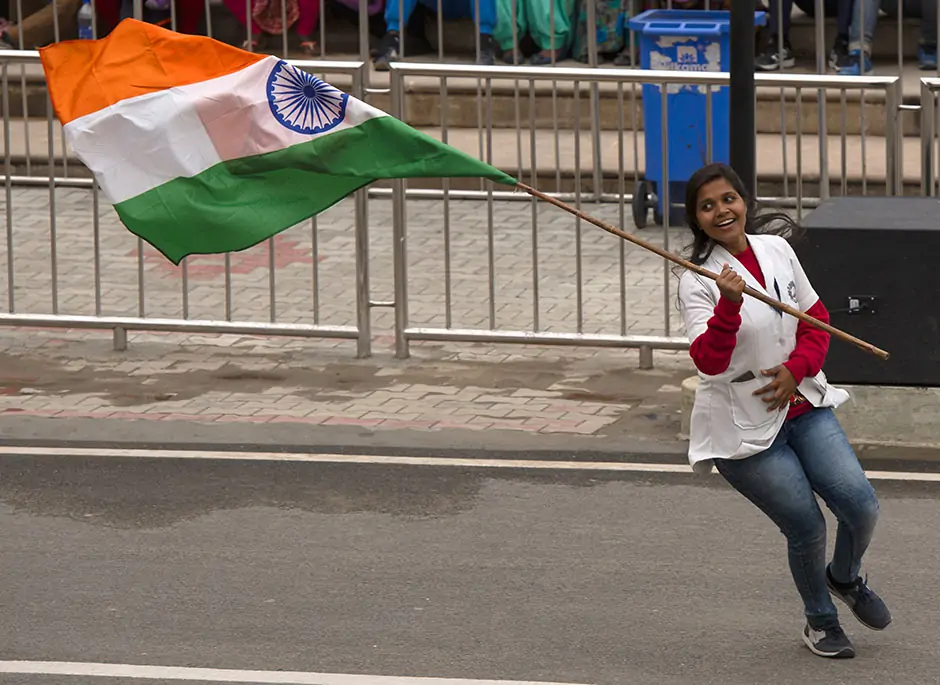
(187, 435)
(181, 435)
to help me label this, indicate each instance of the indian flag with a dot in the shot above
(205, 148)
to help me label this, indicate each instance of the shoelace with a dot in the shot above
(864, 593)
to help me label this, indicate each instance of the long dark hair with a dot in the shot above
(774, 223)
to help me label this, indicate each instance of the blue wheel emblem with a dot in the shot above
(304, 103)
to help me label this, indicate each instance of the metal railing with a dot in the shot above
(930, 173)
(126, 265)
(519, 156)
(588, 293)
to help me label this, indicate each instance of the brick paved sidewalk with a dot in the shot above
(464, 391)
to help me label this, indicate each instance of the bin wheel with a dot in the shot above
(641, 203)
(657, 216)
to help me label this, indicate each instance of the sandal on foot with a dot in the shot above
(252, 45)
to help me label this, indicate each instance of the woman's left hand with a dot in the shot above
(778, 392)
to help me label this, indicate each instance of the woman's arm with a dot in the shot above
(711, 328)
(812, 345)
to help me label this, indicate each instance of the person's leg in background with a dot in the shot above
(397, 14)
(840, 49)
(926, 11)
(927, 53)
(189, 16)
(307, 25)
(349, 11)
(842, 11)
(484, 15)
(107, 15)
(561, 40)
(239, 9)
(772, 57)
(511, 27)
(861, 34)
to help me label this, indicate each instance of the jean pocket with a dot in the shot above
(747, 409)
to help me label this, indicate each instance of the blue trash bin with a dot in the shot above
(681, 40)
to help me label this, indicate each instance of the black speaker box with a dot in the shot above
(875, 263)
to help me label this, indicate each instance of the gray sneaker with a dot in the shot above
(771, 60)
(389, 51)
(832, 643)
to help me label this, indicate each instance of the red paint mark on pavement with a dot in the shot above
(208, 267)
(343, 421)
(395, 423)
(309, 420)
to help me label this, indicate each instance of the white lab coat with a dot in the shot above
(727, 420)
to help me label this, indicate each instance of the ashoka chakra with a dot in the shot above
(304, 103)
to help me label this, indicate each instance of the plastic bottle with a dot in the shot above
(86, 21)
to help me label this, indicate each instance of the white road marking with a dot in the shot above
(218, 675)
(547, 464)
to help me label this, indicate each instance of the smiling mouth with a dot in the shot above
(725, 222)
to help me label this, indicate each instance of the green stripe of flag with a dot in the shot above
(237, 204)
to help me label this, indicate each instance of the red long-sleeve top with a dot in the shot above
(711, 351)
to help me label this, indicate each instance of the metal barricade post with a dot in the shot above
(928, 133)
(399, 249)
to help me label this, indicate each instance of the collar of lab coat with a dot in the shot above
(764, 259)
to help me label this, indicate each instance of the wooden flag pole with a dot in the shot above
(684, 263)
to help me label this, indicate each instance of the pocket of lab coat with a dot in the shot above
(747, 409)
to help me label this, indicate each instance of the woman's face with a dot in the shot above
(722, 214)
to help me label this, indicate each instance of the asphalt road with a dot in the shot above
(571, 576)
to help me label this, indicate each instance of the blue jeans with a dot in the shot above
(925, 10)
(811, 454)
(451, 9)
(841, 9)
(862, 31)
(864, 21)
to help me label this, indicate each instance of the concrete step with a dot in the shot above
(621, 108)
(785, 169)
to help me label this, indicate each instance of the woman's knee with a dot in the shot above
(861, 510)
(805, 530)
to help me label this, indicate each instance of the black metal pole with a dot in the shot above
(743, 100)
